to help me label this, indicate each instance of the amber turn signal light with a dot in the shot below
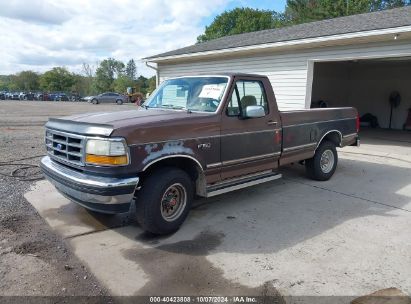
(106, 160)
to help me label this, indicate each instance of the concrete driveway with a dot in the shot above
(350, 236)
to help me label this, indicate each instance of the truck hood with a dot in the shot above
(114, 117)
(104, 123)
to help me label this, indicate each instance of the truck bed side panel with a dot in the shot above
(303, 130)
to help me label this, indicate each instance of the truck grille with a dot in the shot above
(65, 146)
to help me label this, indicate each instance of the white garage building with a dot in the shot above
(349, 61)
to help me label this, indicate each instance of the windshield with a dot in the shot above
(189, 93)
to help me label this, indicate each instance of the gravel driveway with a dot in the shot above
(33, 259)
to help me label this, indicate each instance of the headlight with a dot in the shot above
(106, 152)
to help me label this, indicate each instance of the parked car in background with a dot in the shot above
(75, 97)
(87, 98)
(13, 96)
(61, 97)
(108, 97)
(39, 96)
(51, 96)
(26, 96)
(2, 95)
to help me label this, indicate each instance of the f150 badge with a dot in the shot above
(204, 146)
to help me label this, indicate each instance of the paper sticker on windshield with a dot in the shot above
(212, 91)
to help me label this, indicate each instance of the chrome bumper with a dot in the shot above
(98, 193)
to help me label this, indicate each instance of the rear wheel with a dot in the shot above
(324, 163)
(164, 200)
(119, 101)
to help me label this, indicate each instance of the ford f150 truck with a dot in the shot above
(196, 135)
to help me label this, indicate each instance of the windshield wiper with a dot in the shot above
(171, 106)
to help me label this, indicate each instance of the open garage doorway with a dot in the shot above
(366, 85)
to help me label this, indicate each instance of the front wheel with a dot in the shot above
(119, 101)
(164, 200)
(94, 101)
(322, 166)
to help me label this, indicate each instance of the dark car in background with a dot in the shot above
(26, 96)
(3, 95)
(51, 96)
(61, 97)
(108, 97)
(13, 96)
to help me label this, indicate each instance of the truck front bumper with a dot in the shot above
(97, 193)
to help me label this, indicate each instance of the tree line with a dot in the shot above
(243, 20)
(108, 75)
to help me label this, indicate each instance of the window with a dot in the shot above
(246, 93)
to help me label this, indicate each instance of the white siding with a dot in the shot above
(287, 71)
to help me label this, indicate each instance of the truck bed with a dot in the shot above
(304, 129)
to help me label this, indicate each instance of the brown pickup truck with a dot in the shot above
(195, 135)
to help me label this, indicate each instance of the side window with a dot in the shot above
(246, 93)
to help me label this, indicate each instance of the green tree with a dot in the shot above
(301, 11)
(87, 80)
(6, 82)
(243, 20)
(151, 84)
(57, 79)
(240, 20)
(108, 70)
(131, 69)
(81, 86)
(122, 82)
(26, 80)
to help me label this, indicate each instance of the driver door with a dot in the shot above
(248, 145)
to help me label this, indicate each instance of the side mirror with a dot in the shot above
(254, 112)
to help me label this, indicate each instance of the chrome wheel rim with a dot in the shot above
(327, 161)
(173, 202)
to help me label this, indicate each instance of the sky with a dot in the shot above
(40, 34)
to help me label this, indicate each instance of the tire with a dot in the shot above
(324, 163)
(150, 199)
(119, 101)
(94, 101)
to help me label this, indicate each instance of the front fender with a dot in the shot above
(147, 154)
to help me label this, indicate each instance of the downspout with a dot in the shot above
(157, 73)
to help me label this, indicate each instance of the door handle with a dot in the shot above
(272, 123)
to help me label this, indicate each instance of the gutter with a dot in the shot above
(157, 72)
(305, 41)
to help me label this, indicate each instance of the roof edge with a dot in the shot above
(303, 41)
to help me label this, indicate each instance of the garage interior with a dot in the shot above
(367, 85)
